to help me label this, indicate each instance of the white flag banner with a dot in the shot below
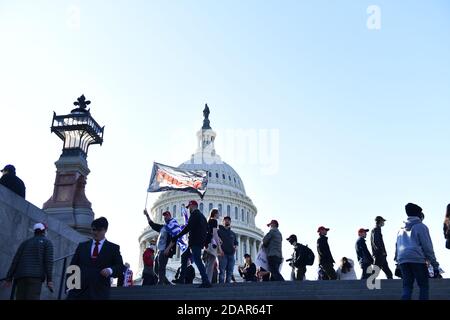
(165, 178)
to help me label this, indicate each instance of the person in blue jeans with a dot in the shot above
(198, 229)
(413, 249)
(229, 244)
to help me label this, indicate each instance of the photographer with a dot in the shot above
(248, 271)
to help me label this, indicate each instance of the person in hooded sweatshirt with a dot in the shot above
(413, 249)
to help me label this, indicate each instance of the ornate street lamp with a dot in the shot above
(78, 130)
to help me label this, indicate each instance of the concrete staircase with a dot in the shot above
(288, 290)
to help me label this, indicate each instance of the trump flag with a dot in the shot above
(165, 178)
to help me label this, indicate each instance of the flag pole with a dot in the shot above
(146, 200)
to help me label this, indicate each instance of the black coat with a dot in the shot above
(197, 227)
(13, 183)
(323, 249)
(94, 286)
(250, 272)
(376, 240)
(363, 254)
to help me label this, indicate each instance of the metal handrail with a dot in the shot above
(63, 273)
(69, 255)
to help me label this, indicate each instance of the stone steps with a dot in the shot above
(306, 290)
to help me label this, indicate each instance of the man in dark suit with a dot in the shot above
(99, 260)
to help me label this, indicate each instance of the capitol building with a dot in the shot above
(225, 192)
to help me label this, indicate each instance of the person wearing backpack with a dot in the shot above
(413, 249)
(301, 257)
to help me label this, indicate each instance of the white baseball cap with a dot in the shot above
(39, 226)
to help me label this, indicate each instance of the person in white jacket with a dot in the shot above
(346, 270)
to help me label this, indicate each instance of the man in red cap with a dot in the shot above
(272, 244)
(197, 227)
(326, 260)
(364, 257)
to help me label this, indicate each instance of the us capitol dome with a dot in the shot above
(225, 191)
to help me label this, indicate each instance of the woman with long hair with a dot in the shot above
(212, 245)
(447, 227)
(248, 271)
(346, 270)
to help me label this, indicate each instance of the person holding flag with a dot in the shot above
(168, 231)
(167, 178)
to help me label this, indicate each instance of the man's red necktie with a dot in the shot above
(95, 252)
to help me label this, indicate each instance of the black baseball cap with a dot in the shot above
(9, 168)
(292, 237)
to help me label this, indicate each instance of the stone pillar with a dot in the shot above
(240, 250)
(255, 250)
(247, 244)
(68, 202)
(141, 262)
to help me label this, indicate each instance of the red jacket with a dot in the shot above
(148, 257)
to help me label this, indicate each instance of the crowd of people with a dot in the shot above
(212, 248)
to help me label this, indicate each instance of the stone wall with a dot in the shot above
(17, 217)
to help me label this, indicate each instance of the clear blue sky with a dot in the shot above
(362, 114)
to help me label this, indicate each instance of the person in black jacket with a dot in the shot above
(296, 262)
(378, 249)
(198, 230)
(32, 265)
(447, 227)
(364, 257)
(98, 260)
(11, 181)
(326, 260)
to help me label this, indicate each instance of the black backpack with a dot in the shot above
(306, 257)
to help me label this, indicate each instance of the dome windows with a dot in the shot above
(236, 213)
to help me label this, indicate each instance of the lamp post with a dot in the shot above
(78, 130)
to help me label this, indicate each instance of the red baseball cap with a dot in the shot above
(192, 203)
(272, 222)
(322, 228)
(363, 230)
